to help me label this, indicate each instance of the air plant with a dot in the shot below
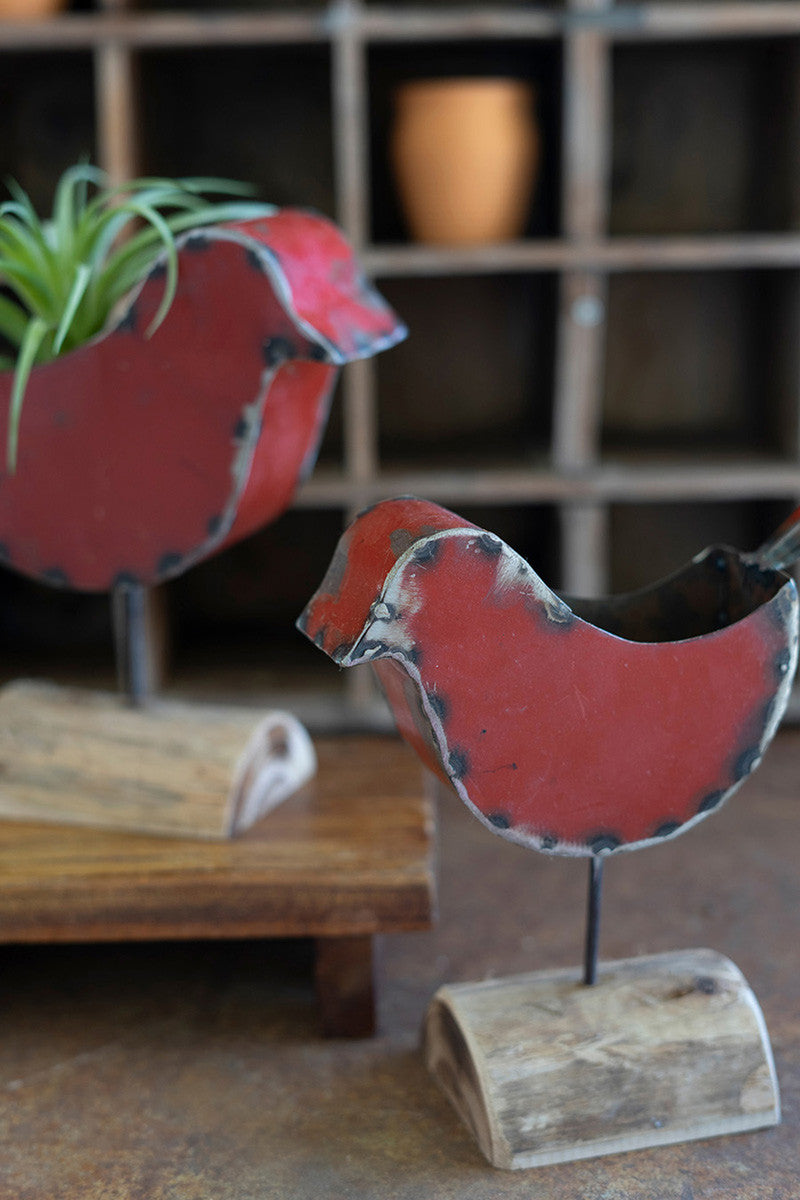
(62, 277)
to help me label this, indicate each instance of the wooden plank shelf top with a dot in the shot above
(349, 854)
(347, 857)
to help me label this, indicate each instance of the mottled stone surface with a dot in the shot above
(197, 1072)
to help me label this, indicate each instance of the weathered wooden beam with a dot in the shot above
(643, 481)
(629, 22)
(670, 252)
(82, 757)
(661, 1049)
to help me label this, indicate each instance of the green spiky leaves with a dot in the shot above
(62, 277)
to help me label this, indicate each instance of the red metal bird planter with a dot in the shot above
(139, 456)
(570, 726)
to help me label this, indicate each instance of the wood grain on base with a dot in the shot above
(87, 758)
(662, 1049)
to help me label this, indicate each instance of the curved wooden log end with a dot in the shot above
(663, 1049)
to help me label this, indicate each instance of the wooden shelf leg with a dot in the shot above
(345, 982)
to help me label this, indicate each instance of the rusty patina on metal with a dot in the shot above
(573, 727)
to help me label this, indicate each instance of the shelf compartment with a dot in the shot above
(391, 65)
(702, 362)
(331, 450)
(530, 529)
(232, 616)
(47, 102)
(60, 635)
(706, 137)
(648, 542)
(252, 124)
(475, 376)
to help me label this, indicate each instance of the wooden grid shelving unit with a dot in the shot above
(641, 293)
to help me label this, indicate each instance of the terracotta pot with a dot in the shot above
(465, 153)
(29, 10)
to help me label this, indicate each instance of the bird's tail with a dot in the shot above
(782, 549)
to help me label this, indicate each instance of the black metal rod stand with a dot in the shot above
(593, 919)
(131, 641)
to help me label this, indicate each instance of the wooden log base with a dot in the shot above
(662, 1049)
(81, 757)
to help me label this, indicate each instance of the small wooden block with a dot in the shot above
(81, 757)
(345, 982)
(662, 1049)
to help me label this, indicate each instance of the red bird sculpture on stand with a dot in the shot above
(578, 727)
